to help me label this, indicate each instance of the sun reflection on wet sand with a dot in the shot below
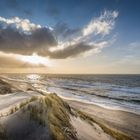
(33, 77)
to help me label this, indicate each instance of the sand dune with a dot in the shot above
(32, 116)
(122, 121)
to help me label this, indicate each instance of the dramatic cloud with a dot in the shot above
(22, 61)
(62, 30)
(78, 41)
(21, 25)
(101, 25)
(20, 36)
(8, 60)
(23, 37)
(76, 49)
(71, 51)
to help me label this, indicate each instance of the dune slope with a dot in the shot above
(50, 118)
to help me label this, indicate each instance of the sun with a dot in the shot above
(35, 59)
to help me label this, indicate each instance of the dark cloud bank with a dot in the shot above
(40, 40)
(20, 36)
(11, 40)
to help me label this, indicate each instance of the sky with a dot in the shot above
(70, 36)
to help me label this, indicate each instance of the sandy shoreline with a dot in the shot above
(82, 127)
(122, 121)
(119, 120)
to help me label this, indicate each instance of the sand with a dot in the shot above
(86, 131)
(118, 120)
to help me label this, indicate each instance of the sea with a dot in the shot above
(117, 92)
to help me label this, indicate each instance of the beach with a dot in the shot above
(79, 118)
(88, 126)
(69, 70)
(119, 120)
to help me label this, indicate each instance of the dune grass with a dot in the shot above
(53, 112)
(114, 133)
(3, 135)
(21, 105)
(4, 87)
(49, 111)
(58, 118)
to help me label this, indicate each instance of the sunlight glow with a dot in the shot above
(33, 77)
(35, 59)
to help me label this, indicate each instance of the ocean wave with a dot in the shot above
(98, 92)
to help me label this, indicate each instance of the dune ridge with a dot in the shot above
(49, 117)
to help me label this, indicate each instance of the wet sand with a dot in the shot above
(122, 121)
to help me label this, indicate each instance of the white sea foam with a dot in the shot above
(112, 92)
